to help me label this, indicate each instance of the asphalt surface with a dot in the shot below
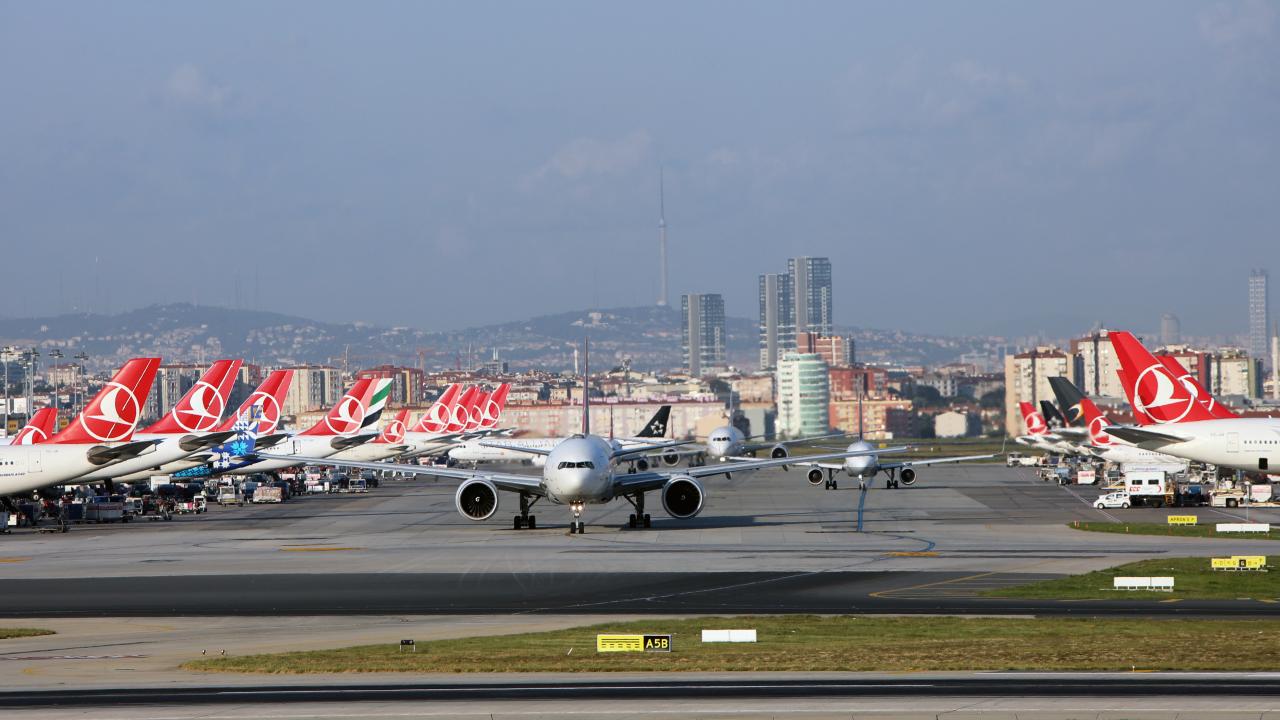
(660, 689)
(560, 593)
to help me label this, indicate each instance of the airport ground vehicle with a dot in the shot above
(1113, 500)
(268, 494)
(1020, 460)
(194, 506)
(104, 509)
(229, 494)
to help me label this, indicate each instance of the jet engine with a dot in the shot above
(671, 459)
(779, 451)
(814, 475)
(642, 464)
(907, 476)
(682, 497)
(477, 499)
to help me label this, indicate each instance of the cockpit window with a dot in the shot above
(722, 438)
(582, 464)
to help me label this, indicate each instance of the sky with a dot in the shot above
(969, 168)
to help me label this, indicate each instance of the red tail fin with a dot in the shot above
(458, 412)
(1033, 419)
(475, 411)
(436, 418)
(393, 433)
(112, 415)
(494, 406)
(1152, 389)
(346, 417)
(270, 395)
(1096, 422)
(1202, 396)
(200, 410)
(39, 428)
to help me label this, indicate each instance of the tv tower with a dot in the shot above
(662, 242)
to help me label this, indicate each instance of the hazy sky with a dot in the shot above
(969, 167)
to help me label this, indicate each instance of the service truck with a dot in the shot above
(268, 494)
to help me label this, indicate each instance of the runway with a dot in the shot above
(892, 592)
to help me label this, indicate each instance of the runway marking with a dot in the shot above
(1172, 600)
(75, 657)
(318, 549)
(890, 594)
(13, 559)
(913, 553)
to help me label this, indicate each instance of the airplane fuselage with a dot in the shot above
(1250, 444)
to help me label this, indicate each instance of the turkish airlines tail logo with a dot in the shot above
(112, 415)
(436, 418)
(459, 412)
(1154, 392)
(200, 410)
(1198, 391)
(40, 428)
(1095, 421)
(1034, 420)
(393, 433)
(475, 411)
(348, 415)
(269, 397)
(493, 407)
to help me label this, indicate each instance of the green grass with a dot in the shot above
(810, 644)
(8, 633)
(1200, 531)
(1193, 580)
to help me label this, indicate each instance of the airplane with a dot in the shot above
(580, 470)
(340, 429)
(866, 464)
(444, 421)
(42, 425)
(1181, 425)
(185, 430)
(388, 444)
(518, 449)
(1215, 408)
(1103, 445)
(100, 435)
(1038, 435)
(269, 397)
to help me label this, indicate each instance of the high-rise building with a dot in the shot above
(1095, 363)
(1259, 321)
(777, 325)
(804, 395)
(1170, 330)
(703, 337)
(811, 285)
(314, 387)
(834, 349)
(1026, 378)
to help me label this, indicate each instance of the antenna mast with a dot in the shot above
(662, 241)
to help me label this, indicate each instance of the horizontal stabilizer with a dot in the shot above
(206, 441)
(1138, 436)
(104, 454)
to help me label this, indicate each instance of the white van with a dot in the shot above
(1112, 500)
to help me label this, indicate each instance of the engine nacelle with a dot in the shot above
(682, 497)
(538, 461)
(814, 476)
(779, 451)
(642, 464)
(477, 499)
(907, 476)
(671, 459)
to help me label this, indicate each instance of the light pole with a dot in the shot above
(6, 354)
(31, 356)
(56, 355)
(78, 393)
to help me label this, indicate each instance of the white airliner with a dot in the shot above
(1040, 437)
(1181, 425)
(452, 416)
(388, 444)
(42, 425)
(185, 430)
(100, 435)
(521, 449)
(1112, 449)
(581, 470)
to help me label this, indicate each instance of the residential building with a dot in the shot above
(1259, 319)
(1170, 329)
(171, 383)
(703, 336)
(1095, 366)
(834, 349)
(1026, 378)
(804, 395)
(407, 383)
(875, 419)
(314, 387)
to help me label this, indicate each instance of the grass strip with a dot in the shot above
(820, 643)
(1193, 580)
(9, 633)
(1198, 531)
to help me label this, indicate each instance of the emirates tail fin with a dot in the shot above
(112, 415)
(200, 409)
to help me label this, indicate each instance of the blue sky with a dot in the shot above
(1003, 167)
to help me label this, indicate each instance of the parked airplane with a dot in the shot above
(185, 430)
(1039, 436)
(1104, 446)
(521, 449)
(100, 435)
(580, 470)
(388, 444)
(42, 425)
(1203, 396)
(1183, 426)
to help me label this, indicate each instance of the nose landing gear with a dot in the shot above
(577, 525)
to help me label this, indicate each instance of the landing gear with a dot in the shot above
(831, 481)
(577, 526)
(639, 518)
(524, 519)
(892, 482)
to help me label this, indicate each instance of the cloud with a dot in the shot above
(190, 86)
(1229, 24)
(917, 94)
(589, 157)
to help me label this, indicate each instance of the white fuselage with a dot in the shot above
(167, 450)
(1250, 444)
(477, 451)
(725, 442)
(24, 468)
(371, 452)
(579, 470)
(310, 446)
(862, 466)
(425, 442)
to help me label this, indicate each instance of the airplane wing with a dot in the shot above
(649, 447)
(517, 448)
(932, 461)
(1142, 435)
(751, 447)
(505, 481)
(804, 460)
(640, 482)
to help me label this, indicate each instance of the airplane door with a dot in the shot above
(33, 462)
(1233, 442)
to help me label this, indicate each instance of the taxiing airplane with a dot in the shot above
(99, 436)
(521, 449)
